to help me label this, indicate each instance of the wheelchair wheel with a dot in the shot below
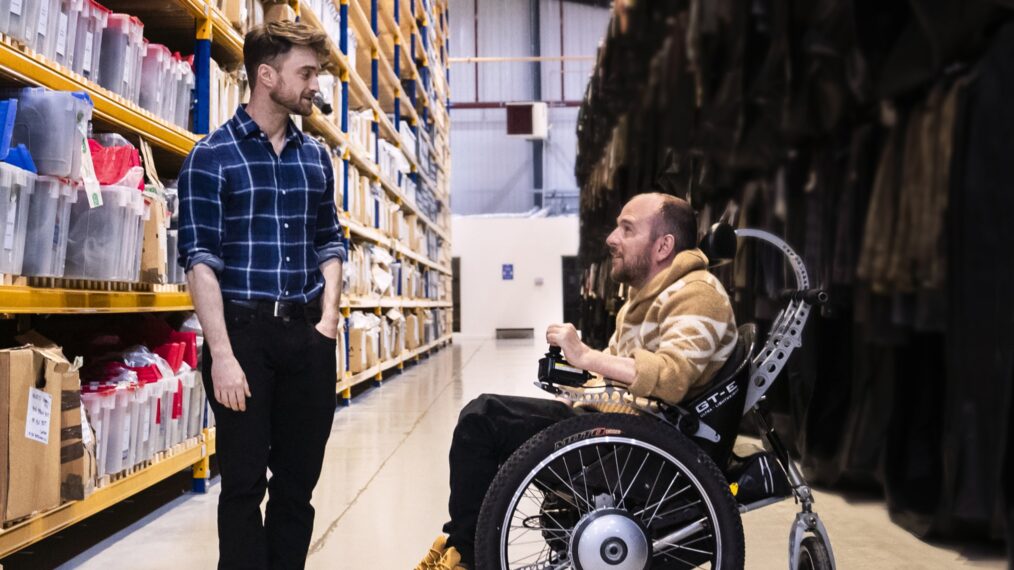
(613, 491)
(813, 555)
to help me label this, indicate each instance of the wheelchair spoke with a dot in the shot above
(678, 559)
(623, 497)
(567, 488)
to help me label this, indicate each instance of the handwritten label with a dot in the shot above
(61, 35)
(40, 410)
(11, 221)
(43, 29)
(87, 66)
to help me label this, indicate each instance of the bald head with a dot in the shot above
(651, 230)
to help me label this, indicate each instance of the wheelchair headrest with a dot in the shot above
(719, 244)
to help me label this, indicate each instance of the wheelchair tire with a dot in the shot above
(570, 474)
(813, 555)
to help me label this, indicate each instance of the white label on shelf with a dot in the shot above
(12, 211)
(86, 428)
(40, 410)
(126, 440)
(91, 181)
(147, 423)
(89, 36)
(128, 65)
(61, 35)
(16, 7)
(43, 28)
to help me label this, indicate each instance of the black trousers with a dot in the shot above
(291, 370)
(490, 428)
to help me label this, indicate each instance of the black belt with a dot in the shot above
(279, 309)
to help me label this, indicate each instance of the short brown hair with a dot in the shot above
(675, 217)
(265, 43)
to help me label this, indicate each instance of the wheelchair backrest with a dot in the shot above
(721, 405)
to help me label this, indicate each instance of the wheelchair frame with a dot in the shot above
(784, 337)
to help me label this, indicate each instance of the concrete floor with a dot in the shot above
(383, 495)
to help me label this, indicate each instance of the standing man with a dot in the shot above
(260, 241)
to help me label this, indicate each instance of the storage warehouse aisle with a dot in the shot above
(383, 495)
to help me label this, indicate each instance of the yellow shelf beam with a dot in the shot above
(222, 32)
(40, 300)
(372, 234)
(46, 524)
(33, 69)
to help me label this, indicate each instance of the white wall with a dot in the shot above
(535, 246)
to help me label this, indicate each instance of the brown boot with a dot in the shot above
(451, 560)
(434, 555)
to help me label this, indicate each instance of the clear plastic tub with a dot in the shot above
(99, 401)
(121, 55)
(156, 79)
(65, 39)
(52, 124)
(46, 241)
(14, 17)
(119, 429)
(184, 93)
(41, 26)
(88, 42)
(195, 417)
(95, 240)
(16, 187)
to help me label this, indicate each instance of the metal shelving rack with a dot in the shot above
(419, 101)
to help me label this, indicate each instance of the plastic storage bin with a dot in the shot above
(99, 401)
(184, 92)
(157, 79)
(119, 428)
(41, 27)
(121, 55)
(88, 42)
(48, 217)
(68, 13)
(52, 124)
(95, 240)
(16, 187)
(14, 16)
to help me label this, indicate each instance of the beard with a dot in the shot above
(630, 269)
(296, 105)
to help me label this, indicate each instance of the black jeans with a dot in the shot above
(291, 370)
(490, 428)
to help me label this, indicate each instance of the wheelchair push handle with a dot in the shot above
(811, 296)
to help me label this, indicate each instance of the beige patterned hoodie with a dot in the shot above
(679, 329)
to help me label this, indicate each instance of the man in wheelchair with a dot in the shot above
(675, 332)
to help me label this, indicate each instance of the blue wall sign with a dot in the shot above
(508, 271)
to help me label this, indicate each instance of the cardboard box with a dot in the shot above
(154, 249)
(78, 470)
(357, 351)
(373, 347)
(412, 332)
(278, 12)
(385, 340)
(30, 421)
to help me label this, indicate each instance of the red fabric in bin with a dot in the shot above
(189, 341)
(172, 352)
(112, 163)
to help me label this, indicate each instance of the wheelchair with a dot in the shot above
(656, 486)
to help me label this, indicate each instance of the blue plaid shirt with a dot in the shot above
(263, 222)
